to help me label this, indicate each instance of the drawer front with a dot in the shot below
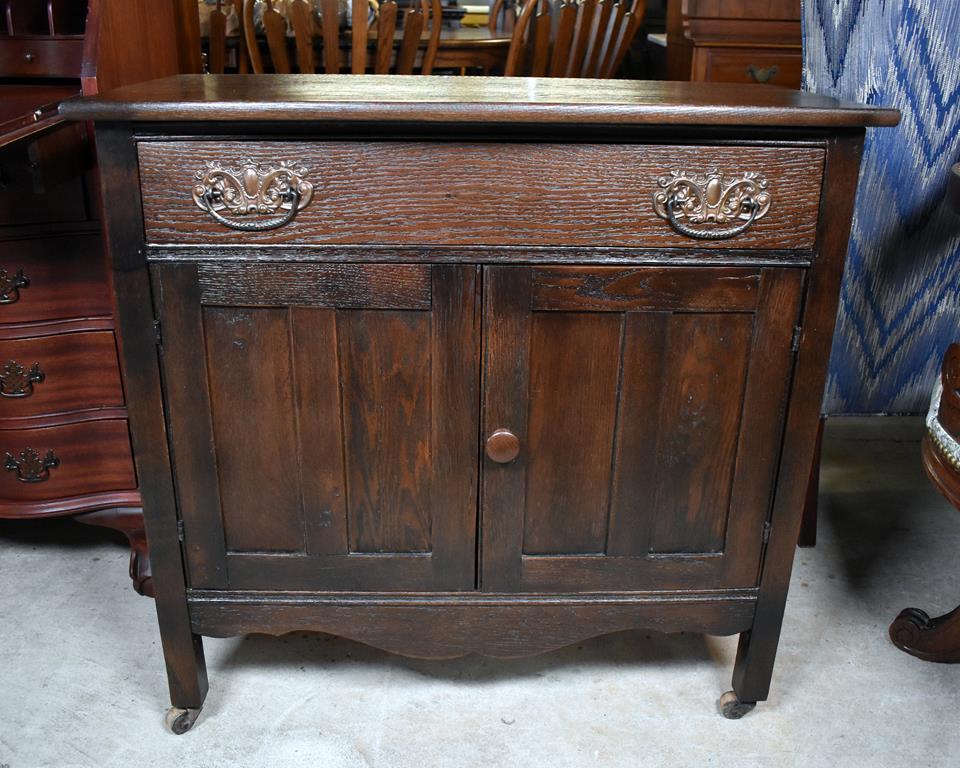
(39, 57)
(454, 194)
(749, 65)
(71, 460)
(53, 279)
(53, 374)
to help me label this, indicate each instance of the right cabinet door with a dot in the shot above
(632, 424)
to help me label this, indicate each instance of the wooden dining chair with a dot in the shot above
(589, 38)
(308, 24)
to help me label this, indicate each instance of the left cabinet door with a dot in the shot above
(323, 423)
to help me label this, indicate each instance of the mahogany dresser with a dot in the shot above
(455, 365)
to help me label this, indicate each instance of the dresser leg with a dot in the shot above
(936, 639)
(130, 523)
(754, 665)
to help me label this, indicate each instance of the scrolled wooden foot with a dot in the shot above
(732, 708)
(130, 523)
(179, 721)
(938, 639)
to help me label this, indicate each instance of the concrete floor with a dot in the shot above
(82, 680)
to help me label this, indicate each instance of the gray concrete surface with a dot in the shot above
(82, 680)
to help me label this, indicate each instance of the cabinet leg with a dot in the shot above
(753, 668)
(929, 639)
(130, 523)
(808, 524)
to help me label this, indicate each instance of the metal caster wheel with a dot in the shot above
(179, 721)
(732, 708)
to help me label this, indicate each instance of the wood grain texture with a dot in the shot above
(81, 372)
(480, 193)
(312, 285)
(479, 100)
(439, 627)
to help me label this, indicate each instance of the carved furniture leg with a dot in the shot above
(130, 523)
(808, 525)
(929, 639)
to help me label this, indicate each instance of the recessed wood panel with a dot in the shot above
(699, 416)
(251, 397)
(385, 380)
(575, 363)
(479, 193)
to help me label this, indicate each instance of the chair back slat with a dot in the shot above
(358, 45)
(629, 28)
(276, 31)
(386, 27)
(598, 30)
(516, 53)
(433, 43)
(541, 42)
(217, 39)
(412, 28)
(581, 37)
(301, 15)
(567, 13)
(330, 32)
(250, 37)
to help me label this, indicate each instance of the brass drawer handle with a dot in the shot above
(704, 207)
(250, 193)
(503, 446)
(30, 466)
(763, 74)
(10, 286)
(17, 381)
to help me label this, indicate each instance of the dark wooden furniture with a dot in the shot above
(913, 631)
(64, 439)
(453, 365)
(573, 39)
(735, 41)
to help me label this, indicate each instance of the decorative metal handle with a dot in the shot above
(17, 381)
(763, 74)
(706, 207)
(10, 286)
(251, 192)
(503, 446)
(30, 466)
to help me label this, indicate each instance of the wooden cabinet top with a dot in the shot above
(470, 100)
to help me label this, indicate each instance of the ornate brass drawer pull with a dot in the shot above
(704, 206)
(259, 197)
(10, 286)
(30, 466)
(17, 381)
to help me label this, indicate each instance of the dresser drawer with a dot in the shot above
(53, 279)
(748, 65)
(470, 194)
(41, 56)
(54, 374)
(70, 460)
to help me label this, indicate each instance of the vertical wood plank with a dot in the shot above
(385, 379)
(635, 469)
(358, 46)
(706, 365)
(253, 422)
(320, 429)
(574, 372)
(506, 353)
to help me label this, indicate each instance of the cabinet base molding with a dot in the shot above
(446, 626)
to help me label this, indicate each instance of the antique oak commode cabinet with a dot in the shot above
(470, 365)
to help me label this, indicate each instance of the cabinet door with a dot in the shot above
(323, 422)
(648, 405)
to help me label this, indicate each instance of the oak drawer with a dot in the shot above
(58, 373)
(70, 460)
(749, 65)
(460, 194)
(65, 278)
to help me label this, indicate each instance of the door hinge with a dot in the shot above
(795, 342)
(180, 530)
(157, 332)
(765, 534)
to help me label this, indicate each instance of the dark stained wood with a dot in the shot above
(130, 523)
(311, 285)
(443, 627)
(808, 527)
(491, 181)
(481, 100)
(218, 40)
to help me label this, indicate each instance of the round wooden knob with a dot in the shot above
(503, 446)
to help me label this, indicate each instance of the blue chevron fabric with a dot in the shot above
(900, 301)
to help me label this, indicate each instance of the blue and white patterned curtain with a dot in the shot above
(900, 302)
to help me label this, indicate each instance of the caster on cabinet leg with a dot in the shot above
(732, 708)
(179, 721)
